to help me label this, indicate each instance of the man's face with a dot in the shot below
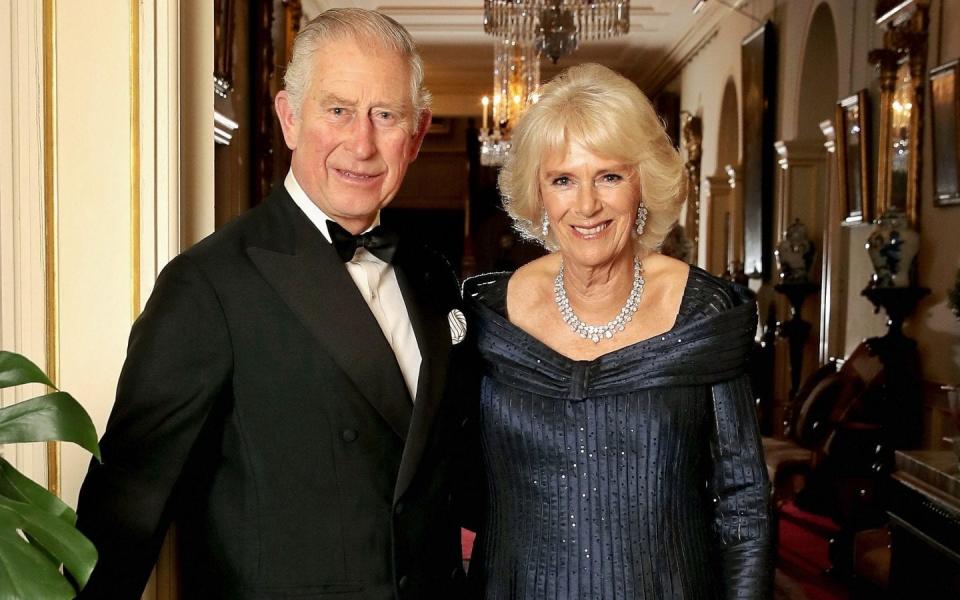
(356, 133)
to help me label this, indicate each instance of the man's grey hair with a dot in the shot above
(338, 24)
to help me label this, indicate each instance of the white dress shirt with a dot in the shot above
(377, 282)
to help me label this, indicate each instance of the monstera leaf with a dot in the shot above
(37, 533)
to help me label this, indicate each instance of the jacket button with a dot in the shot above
(349, 435)
(457, 574)
(403, 583)
(398, 508)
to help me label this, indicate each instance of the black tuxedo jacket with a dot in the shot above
(261, 407)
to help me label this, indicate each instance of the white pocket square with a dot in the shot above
(458, 326)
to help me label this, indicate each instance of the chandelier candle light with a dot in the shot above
(516, 81)
(524, 31)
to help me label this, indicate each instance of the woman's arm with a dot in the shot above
(741, 498)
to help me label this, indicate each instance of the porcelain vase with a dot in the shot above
(892, 246)
(794, 254)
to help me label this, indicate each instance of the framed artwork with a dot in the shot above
(758, 53)
(895, 11)
(945, 107)
(853, 158)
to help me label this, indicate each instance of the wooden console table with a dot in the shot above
(924, 510)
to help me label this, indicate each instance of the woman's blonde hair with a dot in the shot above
(609, 116)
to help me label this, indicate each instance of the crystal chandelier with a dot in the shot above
(516, 81)
(555, 27)
(524, 30)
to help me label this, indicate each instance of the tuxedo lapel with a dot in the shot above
(428, 315)
(312, 280)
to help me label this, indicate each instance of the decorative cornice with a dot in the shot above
(682, 53)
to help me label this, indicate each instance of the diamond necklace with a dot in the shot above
(596, 333)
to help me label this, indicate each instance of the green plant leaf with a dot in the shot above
(26, 573)
(16, 486)
(16, 369)
(55, 416)
(24, 564)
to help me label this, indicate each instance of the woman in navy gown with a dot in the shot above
(617, 427)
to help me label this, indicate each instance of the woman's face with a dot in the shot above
(591, 202)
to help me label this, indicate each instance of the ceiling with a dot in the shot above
(458, 56)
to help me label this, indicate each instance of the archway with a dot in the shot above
(818, 77)
(807, 193)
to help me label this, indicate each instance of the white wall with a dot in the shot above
(129, 130)
(93, 209)
(23, 310)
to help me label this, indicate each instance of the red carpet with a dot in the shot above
(803, 554)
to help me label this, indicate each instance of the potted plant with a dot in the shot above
(38, 535)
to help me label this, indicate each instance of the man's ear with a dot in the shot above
(422, 126)
(289, 123)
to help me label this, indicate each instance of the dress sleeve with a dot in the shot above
(740, 488)
(178, 359)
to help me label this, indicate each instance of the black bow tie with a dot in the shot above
(380, 241)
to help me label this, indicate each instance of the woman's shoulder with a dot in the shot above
(708, 294)
(490, 289)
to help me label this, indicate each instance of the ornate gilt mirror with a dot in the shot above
(902, 68)
(900, 150)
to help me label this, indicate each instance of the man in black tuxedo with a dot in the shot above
(282, 393)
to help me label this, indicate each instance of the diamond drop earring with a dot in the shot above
(545, 225)
(641, 218)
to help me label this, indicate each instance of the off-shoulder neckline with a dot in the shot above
(501, 279)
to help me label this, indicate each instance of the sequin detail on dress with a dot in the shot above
(635, 475)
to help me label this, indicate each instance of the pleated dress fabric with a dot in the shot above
(638, 474)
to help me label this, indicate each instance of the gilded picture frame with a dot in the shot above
(853, 158)
(758, 56)
(945, 133)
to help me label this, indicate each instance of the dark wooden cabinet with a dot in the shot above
(924, 509)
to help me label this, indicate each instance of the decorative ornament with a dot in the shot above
(892, 246)
(545, 225)
(641, 218)
(795, 254)
(458, 326)
(595, 333)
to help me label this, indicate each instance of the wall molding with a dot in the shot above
(24, 313)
